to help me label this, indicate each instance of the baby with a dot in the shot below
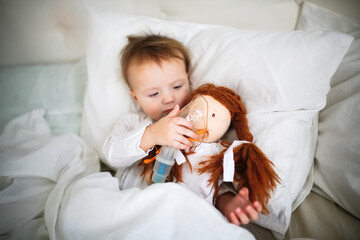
(156, 69)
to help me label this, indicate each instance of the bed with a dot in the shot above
(296, 65)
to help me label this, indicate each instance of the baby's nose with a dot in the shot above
(168, 98)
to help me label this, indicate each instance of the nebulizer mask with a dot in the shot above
(196, 113)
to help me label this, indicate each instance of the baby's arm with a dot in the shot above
(121, 147)
(169, 130)
(238, 209)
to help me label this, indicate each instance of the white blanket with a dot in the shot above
(51, 187)
(35, 169)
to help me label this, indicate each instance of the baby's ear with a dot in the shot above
(133, 95)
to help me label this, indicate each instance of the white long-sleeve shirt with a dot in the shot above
(122, 147)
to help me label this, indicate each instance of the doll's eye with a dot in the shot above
(213, 115)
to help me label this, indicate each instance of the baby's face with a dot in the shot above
(158, 88)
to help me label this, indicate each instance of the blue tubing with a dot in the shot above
(162, 168)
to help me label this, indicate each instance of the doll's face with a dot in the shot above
(205, 112)
(218, 119)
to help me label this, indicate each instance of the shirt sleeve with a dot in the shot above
(225, 187)
(122, 147)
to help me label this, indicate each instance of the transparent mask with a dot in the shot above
(196, 113)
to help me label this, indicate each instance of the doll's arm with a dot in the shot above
(237, 208)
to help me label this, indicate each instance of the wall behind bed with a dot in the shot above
(55, 31)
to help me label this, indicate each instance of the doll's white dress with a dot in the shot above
(198, 183)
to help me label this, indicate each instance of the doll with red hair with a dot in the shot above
(212, 161)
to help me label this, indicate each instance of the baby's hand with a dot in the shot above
(238, 209)
(171, 131)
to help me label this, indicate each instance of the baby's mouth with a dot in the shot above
(166, 112)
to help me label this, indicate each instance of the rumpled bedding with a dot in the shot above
(51, 187)
(35, 169)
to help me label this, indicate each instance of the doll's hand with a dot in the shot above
(238, 209)
(170, 130)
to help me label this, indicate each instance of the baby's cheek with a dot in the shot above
(152, 111)
(184, 98)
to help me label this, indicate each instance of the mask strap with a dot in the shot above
(228, 162)
(149, 160)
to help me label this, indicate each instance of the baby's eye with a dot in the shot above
(153, 94)
(177, 86)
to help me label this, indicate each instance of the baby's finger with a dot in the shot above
(188, 133)
(179, 145)
(252, 213)
(182, 122)
(257, 206)
(233, 219)
(183, 140)
(242, 216)
(244, 192)
(174, 111)
(180, 142)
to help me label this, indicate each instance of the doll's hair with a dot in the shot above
(252, 168)
(153, 48)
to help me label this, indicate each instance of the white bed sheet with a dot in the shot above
(51, 187)
(35, 169)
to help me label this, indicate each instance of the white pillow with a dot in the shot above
(337, 165)
(283, 78)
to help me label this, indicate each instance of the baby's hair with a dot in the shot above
(153, 48)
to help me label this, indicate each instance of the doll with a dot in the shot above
(211, 160)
